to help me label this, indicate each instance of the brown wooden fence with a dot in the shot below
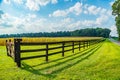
(14, 49)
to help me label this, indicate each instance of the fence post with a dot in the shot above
(46, 52)
(17, 51)
(79, 45)
(73, 46)
(87, 44)
(7, 47)
(84, 44)
(63, 44)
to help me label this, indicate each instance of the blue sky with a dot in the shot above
(24, 16)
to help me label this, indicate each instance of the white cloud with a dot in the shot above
(6, 1)
(76, 9)
(68, 24)
(54, 1)
(85, 12)
(36, 4)
(113, 30)
(68, 0)
(1, 21)
(59, 13)
(32, 5)
(6, 17)
(67, 20)
(102, 19)
(24, 24)
(94, 10)
(19, 1)
(42, 2)
(33, 23)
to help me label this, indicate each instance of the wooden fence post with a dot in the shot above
(17, 51)
(7, 47)
(79, 45)
(73, 46)
(47, 52)
(87, 44)
(63, 44)
(84, 44)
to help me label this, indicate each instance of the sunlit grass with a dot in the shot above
(99, 62)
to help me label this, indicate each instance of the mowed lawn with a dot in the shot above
(99, 62)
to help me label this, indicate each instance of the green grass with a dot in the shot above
(115, 38)
(99, 62)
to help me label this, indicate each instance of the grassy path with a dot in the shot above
(115, 41)
(100, 62)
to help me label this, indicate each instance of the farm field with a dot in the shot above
(48, 39)
(99, 62)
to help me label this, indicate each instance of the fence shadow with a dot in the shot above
(77, 53)
(53, 73)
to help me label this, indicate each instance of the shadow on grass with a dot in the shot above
(53, 73)
(65, 57)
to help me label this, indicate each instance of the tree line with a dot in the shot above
(88, 32)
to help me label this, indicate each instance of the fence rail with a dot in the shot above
(16, 53)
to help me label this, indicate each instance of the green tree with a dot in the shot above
(116, 13)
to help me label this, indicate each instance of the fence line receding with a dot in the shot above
(14, 48)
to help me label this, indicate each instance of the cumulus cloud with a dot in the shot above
(59, 13)
(54, 1)
(68, 0)
(36, 4)
(19, 1)
(76, 9)
(102, 19)
(79, 8)
(113, 30)
(93, 10)
(29, 23)
(7, 1)
(33, 23)
(32, 5)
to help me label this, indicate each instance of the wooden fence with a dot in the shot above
(14, 48)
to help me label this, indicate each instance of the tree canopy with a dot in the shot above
(116, 13)
(92, 32)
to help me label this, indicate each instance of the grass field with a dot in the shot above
(99, 62)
